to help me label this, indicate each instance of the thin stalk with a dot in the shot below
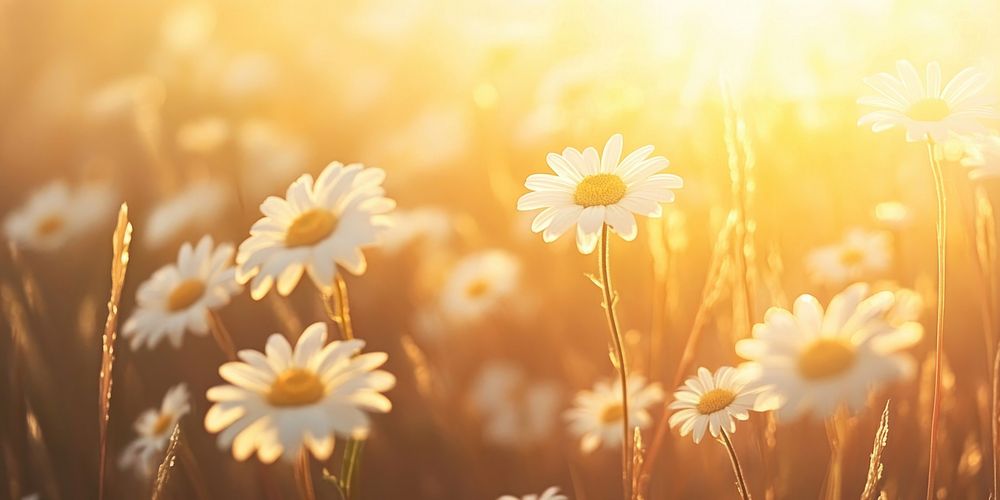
(304, 474)
(221, 335)
(995, 424)
(338, 308)
(741, 483)
(616, 336)
(942, 233)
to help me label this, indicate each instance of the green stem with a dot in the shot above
(609, 309)
(741, 483)
(942, 235)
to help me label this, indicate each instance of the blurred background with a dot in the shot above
(194, 112)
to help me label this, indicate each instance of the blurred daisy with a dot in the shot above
(893, 215)
(597, 415)
(479, 284)
(590, 190)
(283, 399)
(55, 214)
(712, 402)
(178, 297)
(203, 135)
(271, 157)
(196, 207)
(859, 255)
(516, 411)
(314, 228)
(188, 26)
(812, 361)
(430, 224)
(549, 494)
(982, 156)
(928, 112)
(154, 427)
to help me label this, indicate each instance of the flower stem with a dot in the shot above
(221, 335)
(939, 336)
(304, 474)
(338, 307)
(741, 483)
(616, 336)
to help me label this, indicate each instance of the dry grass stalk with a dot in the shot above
(119, 263)
(873, 485)
(167, 464)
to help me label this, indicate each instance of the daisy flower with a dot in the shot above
(590, 190)
(712, 402)
(549, 494)
(982, 156)
(516, 411)
(928, 112)
(597, 415)
(154, 428)
(55, 214)
(860, 254)
(195, 207)
(315, 227)
(284, 399)
(812, 361)
(178, 297)
(479, 284)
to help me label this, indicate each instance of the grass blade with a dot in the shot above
(873, 484)
(119, 263)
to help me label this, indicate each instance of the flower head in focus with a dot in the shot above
(712, 402)
(597, 415)
(928, 110)
(178, 297)
(153, 428)
(812, 361)
(317, 226)
(590, 190)
(55, 214)
(284, 399)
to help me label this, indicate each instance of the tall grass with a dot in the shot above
(119, 263)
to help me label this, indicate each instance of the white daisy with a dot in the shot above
(928, 112)
(597, 415)
(712, 402)
(982, 156)
(549, 494)
(516, 411)
(812, 361)
(55, 214)
(154, 428)
(284, 399)
(203, 135)
(196, 207)
(314, 228)
(861, 254)
(479, 284)
(432, 225)
(178, 297)
(590, 190)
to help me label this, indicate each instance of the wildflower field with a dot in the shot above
(520, 250)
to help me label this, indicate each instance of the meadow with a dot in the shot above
(521, 250)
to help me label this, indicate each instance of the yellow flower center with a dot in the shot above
(310, 228)
(50, 225)
(477, 288)
(851, 257)
(826, 358)
(599, 189)
(185, 294)
(296, 387)
(929, 109)
(612, 413)
(162, 423)
(715, 400)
